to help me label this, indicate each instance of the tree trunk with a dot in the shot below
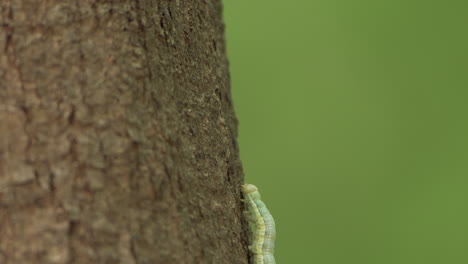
(117, 134)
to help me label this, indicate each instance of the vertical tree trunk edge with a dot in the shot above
(117, 134)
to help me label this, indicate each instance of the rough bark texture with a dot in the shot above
(117, 134)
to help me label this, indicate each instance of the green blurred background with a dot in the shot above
(353, 124)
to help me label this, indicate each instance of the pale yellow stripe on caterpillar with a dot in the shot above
(259, 234)
(268, 245)
(264, 237)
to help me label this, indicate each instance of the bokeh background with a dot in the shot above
(354, 125)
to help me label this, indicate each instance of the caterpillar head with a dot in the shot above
(251, 190)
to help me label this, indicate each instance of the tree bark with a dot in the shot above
(117, 134)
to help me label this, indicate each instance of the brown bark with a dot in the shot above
(117, 134)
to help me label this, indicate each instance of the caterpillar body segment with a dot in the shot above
(263, 243)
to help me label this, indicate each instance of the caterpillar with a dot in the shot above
(263, 243)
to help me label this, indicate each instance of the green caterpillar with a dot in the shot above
(263, 243)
